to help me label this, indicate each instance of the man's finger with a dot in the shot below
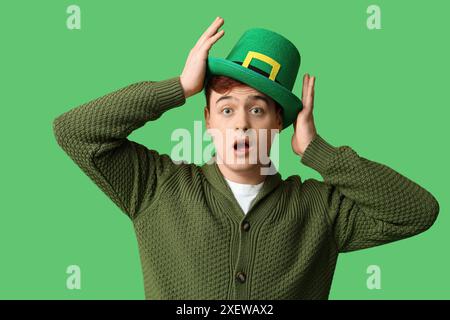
(305, 82)
(311, 86)
(208, 43)
(312, 92)
(212, 29)
(307, 96)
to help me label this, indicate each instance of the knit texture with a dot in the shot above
(195, 242)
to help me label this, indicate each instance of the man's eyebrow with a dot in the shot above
(256, 97)
(226, 97)
(252, 97)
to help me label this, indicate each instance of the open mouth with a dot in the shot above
(241, 146)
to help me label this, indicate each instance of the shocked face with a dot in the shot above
(242, 123)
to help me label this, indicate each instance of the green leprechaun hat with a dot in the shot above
(267, 62)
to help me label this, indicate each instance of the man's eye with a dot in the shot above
(226, 111)
(257, 110)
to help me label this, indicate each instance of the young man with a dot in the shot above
(224, 230)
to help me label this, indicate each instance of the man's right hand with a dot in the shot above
(194, 71)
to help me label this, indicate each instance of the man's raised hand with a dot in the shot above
(304, 127)
(194, 71)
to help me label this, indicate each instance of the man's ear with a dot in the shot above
(280, 120)
(206, 113)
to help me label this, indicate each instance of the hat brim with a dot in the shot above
(290, 103)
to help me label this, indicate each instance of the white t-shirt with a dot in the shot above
(244, 193)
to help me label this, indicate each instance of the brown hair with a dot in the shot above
(223, 84)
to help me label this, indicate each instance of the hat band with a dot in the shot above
(265, 74)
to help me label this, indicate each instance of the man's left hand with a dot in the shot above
(304, 128)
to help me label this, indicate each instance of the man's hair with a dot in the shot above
(222, 84)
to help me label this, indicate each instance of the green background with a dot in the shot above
(382, 92)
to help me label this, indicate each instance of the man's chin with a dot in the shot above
(239, 162)
(240, 166)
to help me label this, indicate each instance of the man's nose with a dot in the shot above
(242, 123)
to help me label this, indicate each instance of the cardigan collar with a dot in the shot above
(215, 177)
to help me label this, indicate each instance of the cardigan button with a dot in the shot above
(246, 226)
(241, 277)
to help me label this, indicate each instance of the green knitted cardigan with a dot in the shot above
(194, 240)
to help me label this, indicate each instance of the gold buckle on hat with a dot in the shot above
(275, 65)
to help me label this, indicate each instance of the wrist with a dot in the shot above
(187, 92)
(306, 144)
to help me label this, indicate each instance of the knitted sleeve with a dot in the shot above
(94, 136)
(368, 203)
